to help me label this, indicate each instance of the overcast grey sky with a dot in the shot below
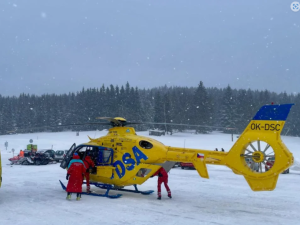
(59, 46)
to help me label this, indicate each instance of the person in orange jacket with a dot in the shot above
(88, 162)
(162, 178)
(21, 154)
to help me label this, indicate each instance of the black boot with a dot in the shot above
(159, 197)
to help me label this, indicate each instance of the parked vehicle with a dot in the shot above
(186, 165)
(253, 165)
(157, 132)
(37, 158)
(270, 162)
(177, 164)
(59, 155)
(66, 152)
(50, 152)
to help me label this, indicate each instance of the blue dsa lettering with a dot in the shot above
(129, 162)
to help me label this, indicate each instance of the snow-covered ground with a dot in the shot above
(33, 195)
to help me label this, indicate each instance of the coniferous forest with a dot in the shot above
(215, 107)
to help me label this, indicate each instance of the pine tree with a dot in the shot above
(158, 110)
(201, 109)
(228, 110)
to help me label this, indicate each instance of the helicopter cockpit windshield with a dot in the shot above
(101, 156)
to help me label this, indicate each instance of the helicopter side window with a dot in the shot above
(143, 172)
(146, 145)
(105, 156)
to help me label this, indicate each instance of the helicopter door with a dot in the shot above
(104, 162)
(68, 157)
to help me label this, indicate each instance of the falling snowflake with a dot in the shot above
(43, 15)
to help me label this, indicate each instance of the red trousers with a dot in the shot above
(87, 178)
(165, 181)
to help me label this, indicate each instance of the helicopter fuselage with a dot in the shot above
(134, 157)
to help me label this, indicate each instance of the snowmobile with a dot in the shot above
(16, 160)
(36, 159)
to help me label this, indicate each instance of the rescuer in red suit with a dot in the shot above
(76, 173)
(88, 162)
(162, 178)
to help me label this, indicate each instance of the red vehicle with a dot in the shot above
(270, 163)
(15, 159)
(186, 165)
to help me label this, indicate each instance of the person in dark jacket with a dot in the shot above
(75, 174)
(89, 164)
(162, 178)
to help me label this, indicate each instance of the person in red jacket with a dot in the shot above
(76, 173)
(162, 178)
(88, 162)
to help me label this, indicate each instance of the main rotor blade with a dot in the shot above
(180, 124)
(56, 126)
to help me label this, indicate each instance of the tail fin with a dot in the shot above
(259, 154)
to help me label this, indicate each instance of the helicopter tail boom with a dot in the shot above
(198, 157)
(252, 153)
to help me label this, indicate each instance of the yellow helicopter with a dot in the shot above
(124, 158)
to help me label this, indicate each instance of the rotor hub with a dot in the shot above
(258, 156)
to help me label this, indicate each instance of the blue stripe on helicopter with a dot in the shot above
(273, 112)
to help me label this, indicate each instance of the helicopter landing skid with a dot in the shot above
(110, 187)
(95, 194)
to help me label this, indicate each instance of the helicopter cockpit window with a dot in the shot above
(82, 151)
(104, 156)
(146, 144)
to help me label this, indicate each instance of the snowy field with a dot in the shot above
(33, 195)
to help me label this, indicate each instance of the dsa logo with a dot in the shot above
(128, 163)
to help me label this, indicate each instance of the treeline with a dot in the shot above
(214, 107)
